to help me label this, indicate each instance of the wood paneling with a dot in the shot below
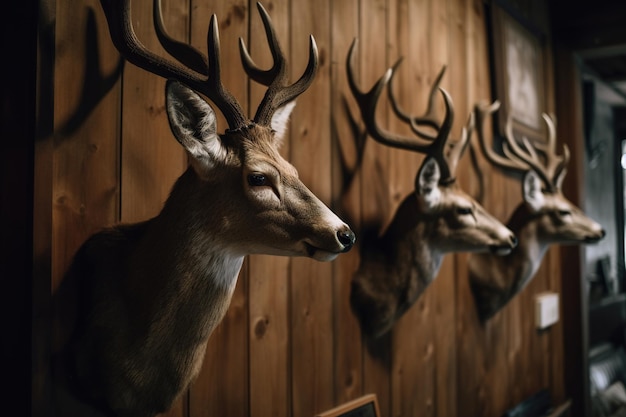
(348, 349)
(290, 345)
(311, 295)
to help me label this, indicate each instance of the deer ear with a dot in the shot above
(193, 123)
(280, 118)
(533, 194)
(427, 183)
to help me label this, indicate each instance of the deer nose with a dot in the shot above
(513, 241)
(346, 238)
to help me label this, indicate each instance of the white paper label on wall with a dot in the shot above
(546, 309)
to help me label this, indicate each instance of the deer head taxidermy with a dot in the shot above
(153, 292)
(435, 219)
(544, 218)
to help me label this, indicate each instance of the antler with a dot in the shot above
(126, 41)
(457, 148)
(428, 118)
(525, 157)
(433, 145)
(277, 93)
(204, 76)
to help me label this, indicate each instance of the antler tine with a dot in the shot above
(459, 147)
(438, 147)
(428, 118)
(555, 164)
(277, 93)
(367, 104)
(561, 167)
(279, 67)
(127, 43)
(509, 161)
(529, 157)
(185, 53)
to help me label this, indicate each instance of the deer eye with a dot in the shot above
(257, 180)
(564, 213)
(463, 211)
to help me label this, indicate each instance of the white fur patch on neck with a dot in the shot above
(218, 264)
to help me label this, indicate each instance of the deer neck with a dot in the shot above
(192, 272)
(409, 260)
(522, 263)
(395, 269)
(497, 279)
(410, 242)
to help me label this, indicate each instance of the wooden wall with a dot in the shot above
(289, 345)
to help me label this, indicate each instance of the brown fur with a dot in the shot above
(496, 280)
(398, 266)
(149, 295)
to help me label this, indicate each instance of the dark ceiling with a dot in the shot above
(596, 31)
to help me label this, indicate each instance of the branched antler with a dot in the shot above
(522, 158)
(439, 146)
(277, 93)
(202, 73)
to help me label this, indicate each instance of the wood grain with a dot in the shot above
(289, 344)
(346, 141)
(371, 63)
(311, 282)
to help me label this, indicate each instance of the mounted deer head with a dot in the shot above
(545, 217)
(437, 218)
(153, 292)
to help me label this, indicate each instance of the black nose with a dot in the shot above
(513, 241)
(347, 239)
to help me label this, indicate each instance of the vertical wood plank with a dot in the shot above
(270, 390)
(375, 207)
(470, 334)
(311, 281)
(85, 181)
(151, 158)
(412, 335)
(346, 183)
(86, 145)
(289, 345)
(461, 71)
(477, 354)
(221, 388)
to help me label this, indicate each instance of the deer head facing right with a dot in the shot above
(276, 213)
(437, 218)
(153, 292)
(263, 207)
(545, 217)
(559, 220)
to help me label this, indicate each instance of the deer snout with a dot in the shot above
(596, 237)
(506, 247)
(346, 238)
